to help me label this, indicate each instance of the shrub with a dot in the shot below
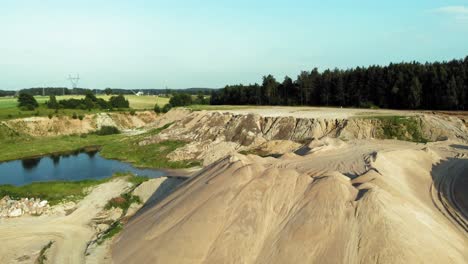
(181, 99)
(74, 116)
(119, 102)
(107, 130)
(157, 109)
(50, 115)
(80, 117)
(52, 103)
(166, 108)
(123, 201)
(27, 102)
(132, 112)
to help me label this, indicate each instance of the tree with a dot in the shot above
(166, 108)
(180, 99)
(450, 99)
(27, 101)
(108, 91)
(270, 89)
(52, 103)
(414, 96)
(157, 109)
(340, 92)
(119, 102)
(288, 93)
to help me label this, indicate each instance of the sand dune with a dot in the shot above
(331, 202)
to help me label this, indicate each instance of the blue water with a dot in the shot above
(80, 166)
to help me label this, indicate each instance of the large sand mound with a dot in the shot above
(331, 202)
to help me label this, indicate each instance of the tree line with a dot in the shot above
(438, 85)
(90, 101)
(37, 91)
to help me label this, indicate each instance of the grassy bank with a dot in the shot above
(23, 146)
(119, 146)
(150, 156)
(58, 191)
(400, 127)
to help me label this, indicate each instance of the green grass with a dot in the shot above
(119, 146)
(149, 156)
(9, 109)
(113, 230)
(23, 146)
(58, 191)
(401, 128)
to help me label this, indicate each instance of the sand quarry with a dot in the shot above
(325, 191)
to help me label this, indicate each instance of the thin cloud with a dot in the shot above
(459, 12)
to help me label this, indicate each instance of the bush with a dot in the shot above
(119, 102)
(181, 99)
(52, 103)
(27, 102)
(80, 117)
(50, 115)
(166, 108)
(74, 116)
(132, 112)
(107, 130)
(157, 109)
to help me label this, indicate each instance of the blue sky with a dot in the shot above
(153, 44)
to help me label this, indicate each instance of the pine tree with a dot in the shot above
(414, 96)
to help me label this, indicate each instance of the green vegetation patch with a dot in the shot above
(113, 230)
(8, 133)
(123, 201)
(25, 146)
(107, 130)
(401, 128)
(150, 156)
(58, 191)
(159, 129)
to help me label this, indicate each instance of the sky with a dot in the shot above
(141, 44)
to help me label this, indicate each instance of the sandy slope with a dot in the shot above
(336, 202)
(26, 236)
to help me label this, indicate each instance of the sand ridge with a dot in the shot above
(335, 202)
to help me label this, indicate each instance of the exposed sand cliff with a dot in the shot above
(65, 125)
(213, 134)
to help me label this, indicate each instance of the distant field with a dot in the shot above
(9, 109)
(136, 102)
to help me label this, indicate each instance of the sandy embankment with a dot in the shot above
(23, 238)
(361, 201)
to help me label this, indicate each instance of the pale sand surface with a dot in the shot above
(361, 201)
(317, 112)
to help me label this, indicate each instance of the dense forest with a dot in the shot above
(400, 86)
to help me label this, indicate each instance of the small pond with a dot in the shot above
(73, 167)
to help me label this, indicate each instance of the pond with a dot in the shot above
(73, 167)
